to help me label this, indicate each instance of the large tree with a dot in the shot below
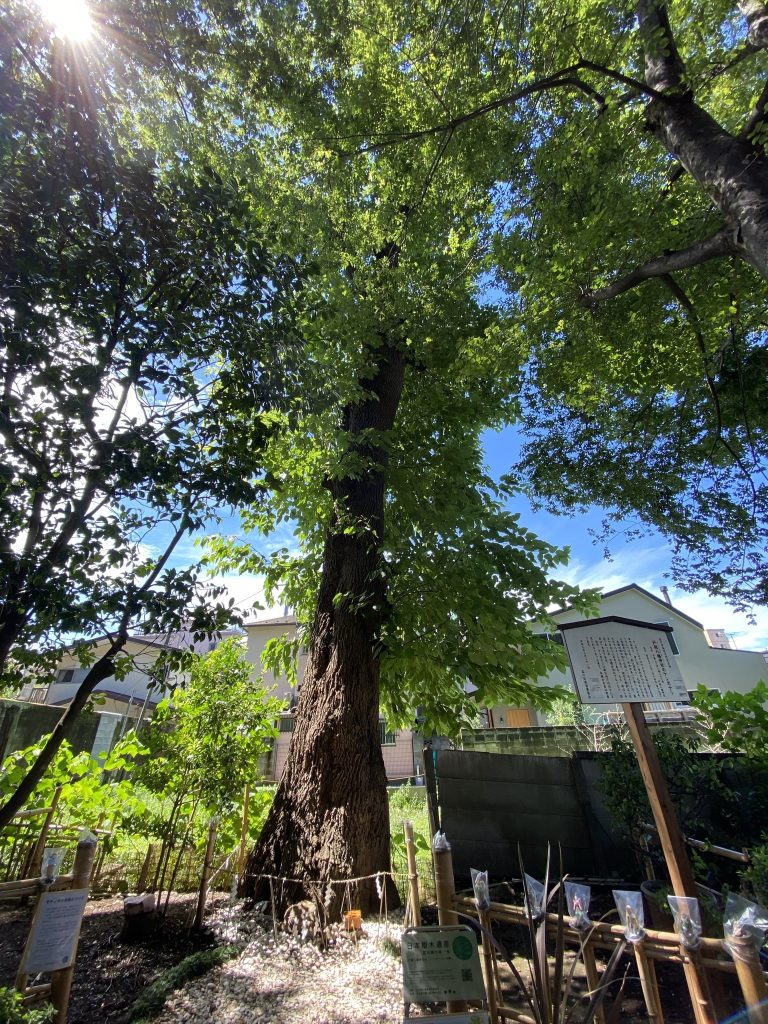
(412, 579)
(134, 293)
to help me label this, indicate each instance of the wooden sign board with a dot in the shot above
(622, 661)
(53, 939)
(441, 963)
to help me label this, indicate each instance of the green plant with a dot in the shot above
(735, 722)
(151, 1002)
(549, 989)
(13, 1011)
(93, 791)
(204, 746)
(756, 875)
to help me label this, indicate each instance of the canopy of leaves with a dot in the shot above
(395, 245)
(136, 290)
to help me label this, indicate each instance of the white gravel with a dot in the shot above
(284, 979)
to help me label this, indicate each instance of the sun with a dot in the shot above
(71, 19)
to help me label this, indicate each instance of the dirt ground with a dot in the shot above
(109, 973)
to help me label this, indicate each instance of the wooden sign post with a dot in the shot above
(615, 660)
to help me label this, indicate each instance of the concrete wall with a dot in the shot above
(22, 724)
(490, 805)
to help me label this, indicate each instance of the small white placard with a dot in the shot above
(618, 661)
(441, 963)
(53, 939)
(472, 1017)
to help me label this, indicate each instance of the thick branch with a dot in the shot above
(723, 243)
(664, 68)
(567, 78)
(756, 16)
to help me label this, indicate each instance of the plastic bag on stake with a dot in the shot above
(685, 911)
(480, 886)
(577, 897)
(743, 920)
(630, 908)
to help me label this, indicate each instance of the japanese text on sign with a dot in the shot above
(53, 939)
(621, 661)
(439, 964)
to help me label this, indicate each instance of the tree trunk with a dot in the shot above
(732, 171)
(330, 817)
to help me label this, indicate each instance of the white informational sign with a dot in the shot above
(441, 963)
(621, 661)
(53, 939)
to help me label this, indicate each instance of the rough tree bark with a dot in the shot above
(731, 170)
(330, 817)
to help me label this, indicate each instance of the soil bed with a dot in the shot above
(110, 973)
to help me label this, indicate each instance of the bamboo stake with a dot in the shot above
(751, 978)
(207, 865)
(445, 891)
(648, 983)
(144, 873)
(413, 875)
(36, 862)
(593, 978)
(489, 964)
(698, 986)
(244, 832)
(61, 981)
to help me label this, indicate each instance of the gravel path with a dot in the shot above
(294, 982)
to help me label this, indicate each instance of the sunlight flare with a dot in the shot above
(71, 19)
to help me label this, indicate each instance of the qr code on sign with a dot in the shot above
(466, 974)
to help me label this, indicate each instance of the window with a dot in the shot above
(386, 739)
(65, 675)
(555, 638)
(285, 723)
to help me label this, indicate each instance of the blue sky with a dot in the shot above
(645, 561)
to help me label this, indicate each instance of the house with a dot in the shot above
(134, 695)
(703, 655)
(397, 747)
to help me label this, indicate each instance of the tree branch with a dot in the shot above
(722, 243)
(755, 14)
(567, 78)
(664, 67)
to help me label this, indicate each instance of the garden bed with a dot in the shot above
(110, 974)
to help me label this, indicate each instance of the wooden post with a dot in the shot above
(207, 865)
(413, 875)
(670, 836)
(61, 981)
(751, 978)
(244, 834)
(445, 891)
(144, 873)
(489, 964)
(673, 846)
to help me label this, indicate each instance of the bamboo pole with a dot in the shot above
(593, 978)
(489, 964)
(144, 873)
(244, 832)
(445, 891)
(698, 986)
(413, 875)
(207, 865)
(36, 861)
(648, 983)
(61, 981)
(751, 978)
